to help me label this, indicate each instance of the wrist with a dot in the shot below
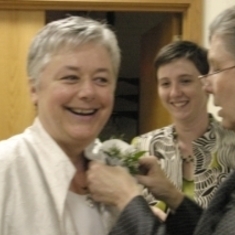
(125, 199)
(174, 199)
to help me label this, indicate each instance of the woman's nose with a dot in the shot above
(86, 90)
(175, 90)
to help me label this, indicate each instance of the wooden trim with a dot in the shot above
(192, 10)
(193, 21)
(116, 5)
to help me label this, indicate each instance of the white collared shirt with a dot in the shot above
(35, 175)
(85, 213)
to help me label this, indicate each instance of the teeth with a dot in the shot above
(83, 111)
(179, 104)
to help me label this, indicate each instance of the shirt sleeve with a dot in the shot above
(138, 219)
(184, 220)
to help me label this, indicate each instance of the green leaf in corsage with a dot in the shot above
(121, 153)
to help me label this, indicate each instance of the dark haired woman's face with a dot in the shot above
(180, 89)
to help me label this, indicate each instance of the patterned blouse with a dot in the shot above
(214, 154)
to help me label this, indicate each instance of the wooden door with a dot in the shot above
(18, 28)
(152, 114)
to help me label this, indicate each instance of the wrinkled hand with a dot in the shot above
(157, 182)
(111, 184)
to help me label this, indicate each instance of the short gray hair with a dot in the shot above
(68, 34)
(224, 25)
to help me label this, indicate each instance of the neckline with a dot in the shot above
(209, 127)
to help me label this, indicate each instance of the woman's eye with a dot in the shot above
(70, 78)
(102, 80)
(185, 81)
(164, 84)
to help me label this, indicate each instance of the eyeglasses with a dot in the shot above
(204, 77)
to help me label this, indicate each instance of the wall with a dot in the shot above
(211, 9)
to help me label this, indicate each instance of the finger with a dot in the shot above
(142, 179)
(147, 164)
(94, 169)
(94, 164)
(148, 161)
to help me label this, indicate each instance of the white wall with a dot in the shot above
(211, 9)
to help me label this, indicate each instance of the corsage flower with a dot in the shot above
(116, 152)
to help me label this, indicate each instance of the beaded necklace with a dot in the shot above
(186, 159)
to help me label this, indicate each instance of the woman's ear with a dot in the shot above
(33, 91)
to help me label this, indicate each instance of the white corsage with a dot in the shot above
(116, 152)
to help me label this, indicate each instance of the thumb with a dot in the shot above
(148, 163)
(142, 179)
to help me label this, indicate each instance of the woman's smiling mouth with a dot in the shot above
(82, 112)
(179, 104)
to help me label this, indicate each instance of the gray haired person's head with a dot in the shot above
(224, 26)
(68, 34)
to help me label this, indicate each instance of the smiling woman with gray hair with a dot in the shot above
(73, 65)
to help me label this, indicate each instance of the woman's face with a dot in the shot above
(180, 89)
(222, 84)
(75, 94)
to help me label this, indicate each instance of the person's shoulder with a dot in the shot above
(11, 148)
(160, 133)
(164, 131)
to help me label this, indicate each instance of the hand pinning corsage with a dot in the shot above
(118, 152)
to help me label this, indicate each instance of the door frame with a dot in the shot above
(192, 10)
